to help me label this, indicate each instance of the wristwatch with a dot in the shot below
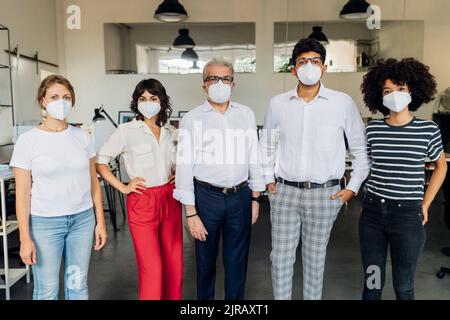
(257, 199)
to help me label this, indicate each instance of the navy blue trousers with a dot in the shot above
(230, 216)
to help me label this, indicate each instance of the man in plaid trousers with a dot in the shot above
(304, 150)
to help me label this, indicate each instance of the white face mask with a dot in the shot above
(219, 92)
(397, 101)
(59, 109)
(309, 75)
(149, 109)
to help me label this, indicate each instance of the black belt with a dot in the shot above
(223, 190)
(309, 185)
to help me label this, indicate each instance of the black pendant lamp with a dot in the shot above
(171, 11)
(184, 40)
(318, 35)
(355, 10)
(189, 54)
(195, 65)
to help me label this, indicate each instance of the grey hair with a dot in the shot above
(220, 61)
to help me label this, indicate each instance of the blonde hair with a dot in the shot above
(50, 81)
(219, 61)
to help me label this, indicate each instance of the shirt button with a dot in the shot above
(383, 201)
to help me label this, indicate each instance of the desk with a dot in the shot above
(7, 227)
(445, 188)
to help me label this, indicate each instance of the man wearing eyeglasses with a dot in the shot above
(303, 150)
(219, 179)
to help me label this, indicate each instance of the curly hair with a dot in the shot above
(409, 71)
(156, 88)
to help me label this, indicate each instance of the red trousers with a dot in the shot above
(156, 228)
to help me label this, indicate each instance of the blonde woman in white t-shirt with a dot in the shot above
(57, 193)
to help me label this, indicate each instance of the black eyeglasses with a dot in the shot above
(215, 79)
(315, 61)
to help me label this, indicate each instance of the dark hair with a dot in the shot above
(409, 71)
(308, 45)
(156, 88)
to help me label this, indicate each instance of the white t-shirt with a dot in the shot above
(60, 168)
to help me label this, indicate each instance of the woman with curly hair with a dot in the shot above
(395, 209)
(147, 145)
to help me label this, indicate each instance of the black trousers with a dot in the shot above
(229, 216)
(396, 225)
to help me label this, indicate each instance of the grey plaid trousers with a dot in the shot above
(309, 213)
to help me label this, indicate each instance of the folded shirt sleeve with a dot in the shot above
(114, 146)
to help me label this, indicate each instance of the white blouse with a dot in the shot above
(143, 156)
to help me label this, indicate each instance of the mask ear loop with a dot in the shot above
(43, 111)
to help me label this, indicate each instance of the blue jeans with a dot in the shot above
(54, 237)
(396, 225)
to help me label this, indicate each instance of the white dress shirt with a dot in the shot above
(208, 139)
(304, 142)
(143, 156)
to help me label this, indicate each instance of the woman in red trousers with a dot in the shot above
(147, 145)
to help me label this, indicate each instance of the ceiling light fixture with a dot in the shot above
(355, 10)
(171, 11)
(184, 40)
(318, 35)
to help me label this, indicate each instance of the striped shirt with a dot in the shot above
(398, 155)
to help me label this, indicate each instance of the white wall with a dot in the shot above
(85, 62)
(113, 47)
(402, 40)
(333, 30)
(33, 28)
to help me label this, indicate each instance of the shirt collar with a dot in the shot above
(137, 123)
(323, 93)
(208, 107)
(141, 124)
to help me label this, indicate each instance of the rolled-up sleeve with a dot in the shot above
(114, 146)
(256, 181)
(185, 159)
(269, 145)
(357, 142)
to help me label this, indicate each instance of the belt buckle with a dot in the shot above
(233, 189)
(308, 185)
